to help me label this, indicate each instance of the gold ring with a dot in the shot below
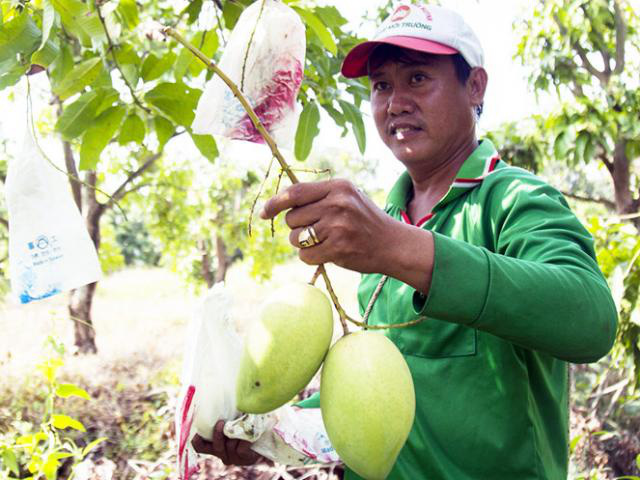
(308, 237)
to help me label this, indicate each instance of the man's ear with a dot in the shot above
(477, 85)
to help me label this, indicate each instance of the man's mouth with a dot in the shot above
(401, 131)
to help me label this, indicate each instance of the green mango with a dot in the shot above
(368, 402)
(284, 348)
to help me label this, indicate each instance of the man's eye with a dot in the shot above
(380, 86)
(418, 77)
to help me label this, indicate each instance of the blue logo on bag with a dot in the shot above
(31, 245)
(42, 242)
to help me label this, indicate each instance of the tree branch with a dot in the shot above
(121, 190)
(621, 37)
(70, 163)
(4, 222)
(582, 53)
(603, 201)
(586, 64)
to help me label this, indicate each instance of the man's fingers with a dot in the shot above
(232, 455)
(201, 445)
(296, 195)
(294, 235)
(246, 455)
(219, 442)
(303, 216)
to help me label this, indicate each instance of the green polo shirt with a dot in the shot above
(515, 294)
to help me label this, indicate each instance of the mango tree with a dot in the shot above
(122, 92)
(586, 56)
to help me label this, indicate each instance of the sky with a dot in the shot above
(508, 96)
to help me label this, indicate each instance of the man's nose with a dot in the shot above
(400, 101)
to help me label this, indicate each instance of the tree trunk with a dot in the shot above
(223, 259)
(81, 299)
(621, 179)
(206, 263)
(621, 174)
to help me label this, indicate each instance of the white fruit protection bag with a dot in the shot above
(288, 435)
(50, 250)
(268, 72)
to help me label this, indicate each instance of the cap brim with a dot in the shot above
(355, 63)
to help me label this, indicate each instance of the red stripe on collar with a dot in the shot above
(490, 167)
(419, 223)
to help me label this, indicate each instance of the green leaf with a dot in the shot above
(48, 17)
(50, 467)
(108, 97)
(230, 13)
(331, 17)
(98, 135)
(128, 10)
(65, 390)
(46, 55)
(92, 445)
(78, 19)
(307, 130)
(561, 146)
(632, 149)
(11, 72)
(207, 42)
(132, 130)
(61, 66)
(207, 146)
(126, 54)
(10, 461)
(176, 100)
(82, 75)
(354, 117)
(18, 35)
(153, 67)
(62, 422)
(581, 144)
(317, 27)
(193, 9)
(164, 130)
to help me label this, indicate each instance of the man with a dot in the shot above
(490, 254)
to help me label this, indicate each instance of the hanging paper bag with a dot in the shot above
(50, 250)
(265, 59)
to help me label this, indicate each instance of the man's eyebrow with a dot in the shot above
(375, 74)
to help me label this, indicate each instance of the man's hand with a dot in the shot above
(231, 451)
(353, 232)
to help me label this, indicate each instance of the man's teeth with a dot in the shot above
(399, 132)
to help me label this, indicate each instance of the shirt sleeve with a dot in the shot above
(535, 283)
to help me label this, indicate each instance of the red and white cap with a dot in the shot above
(425, 28)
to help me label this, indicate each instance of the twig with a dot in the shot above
(316, 274)
(246, 54)
(219, 6)
(112, 48)
(255, 200)
(273, 222)
(120, 191)
(286, 168)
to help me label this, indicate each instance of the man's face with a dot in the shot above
(422, 111)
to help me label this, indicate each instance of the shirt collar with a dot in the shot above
(480, 163)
